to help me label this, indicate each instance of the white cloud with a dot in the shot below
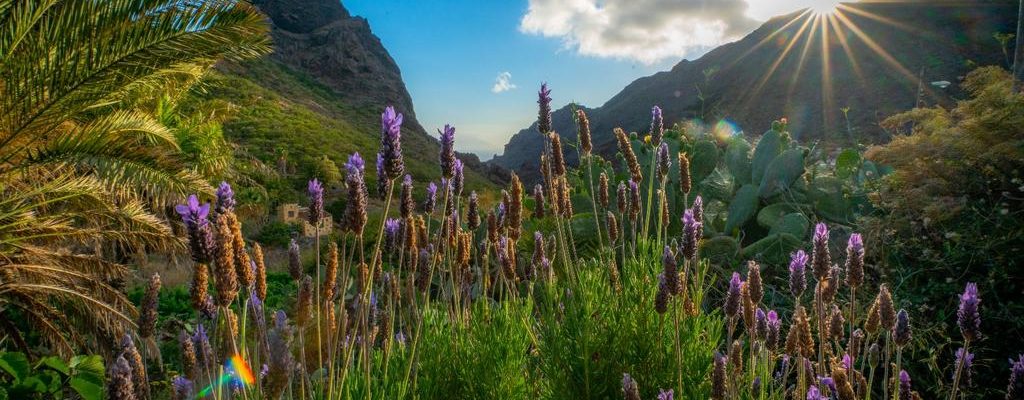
(643, 30)
(503, 83)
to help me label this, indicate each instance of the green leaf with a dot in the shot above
(847, 163)
(768, 147)
(795, 224)
(773, 249)
(703, 160)
(737, 158)
(720, 250)
(88, 389)
(771, 214)
(55, 363)
(742, 208)
(717, 186)
(829, 199)
(88, 369)
(782, 172)
(15, 364)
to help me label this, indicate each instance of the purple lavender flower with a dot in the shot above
(760, 324)
(183, 388)
(392, 226)
(544, 109)
(671, 271)
(391, 142)
(634, 199)
(814, 394)
(781, 369)
(797, 274)
(459, 179)
(964, 362)
(356, 198)
(847, 362)
(225, 198)
(430, 202)
(657, 125)
(200, 232)
(1015, 390)
(664, 161)
(968, 316)
(855, 261)
(901, 332)
(315, 191)
(666, 394)
(828, 382)
(719, 387)
(732, 299)
(774, 328)
(905, 392)
(204, 351)
(629, 388)
(447, 156)
(693, 229)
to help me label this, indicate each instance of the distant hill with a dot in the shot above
(897, 48)
(321, 92)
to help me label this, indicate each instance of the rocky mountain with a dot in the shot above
(321, 92)
(835, 77)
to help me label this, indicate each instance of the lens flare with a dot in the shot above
(236, 371)
(822, 7)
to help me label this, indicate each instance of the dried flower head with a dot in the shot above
(801, 322)
(407, 204)
(391, 142)
(119, 383)
(243, 264)
(835, 324)
(968, 317)
(183, 388)
(459, 180)
(626, 148)
(635, 204)
(661, 298)
(747, 308)
(189, 362)
(225, 280)
(147, 312)
(671, 271)
(685, 184)
(538, 201)
(602, 190)
(557, 156)
(304, 304)
(754, 279)
(613, 227)
(584, 134)
(473, 212)
(886, 308)
(874, 321)
(622, 198)
(330, 284)
(140, 383)
(515, 208)
(760, 324)
(198, 290)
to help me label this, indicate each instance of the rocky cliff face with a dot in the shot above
(329, 62)
(883, 66)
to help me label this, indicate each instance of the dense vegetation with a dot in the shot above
(694, 265)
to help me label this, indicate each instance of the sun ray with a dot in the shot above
(815, 21)
(841, 37)
(778, 61)
(875, 47)
(771, 36)
(826, 72)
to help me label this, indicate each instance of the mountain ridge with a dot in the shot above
(942, 39)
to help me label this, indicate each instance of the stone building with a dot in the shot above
(291, 213)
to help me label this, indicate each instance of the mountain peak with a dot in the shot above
(302, 16)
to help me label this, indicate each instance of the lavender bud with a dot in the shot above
(356, 198)
(760, 324)
(964, 361)
(855, 261)
(294, 260)
(200, 233)
(407, 205)
(1015, 390)
(671, 272)
(732, 299)
(315, 191)
(821, 260)
(584, 133)
(225, 198)
(905, 392)
(473, 212)
(629, 388)
(797, 274)
(657, 125)
(544, 109)
(430, 201)
(968, 316)
(183, 388)
(662, 296)
(119, 384)
(693, 230)
(901, 332)
(666, 394)
(391, 142)
(459, 180)
(718, 378)
(774, 328)
(538, 201)
(664, 161)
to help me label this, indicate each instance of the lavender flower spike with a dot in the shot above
(315, 191)
(459, 179)
(693, 230)
(200, 232)
(431, 200)
(732, 299)
(966, 359)
(447, 155)
(544, 109)
(657, 125)
(225, 198)
(391, 142)
(666, 394)
(797, 273)
(968, 316)
(905, 392)
(629, 388)
(1015, 390)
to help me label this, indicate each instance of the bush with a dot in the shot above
(952, 212)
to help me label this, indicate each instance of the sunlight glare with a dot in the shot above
(824, 7)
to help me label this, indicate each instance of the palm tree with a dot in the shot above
(84, 162)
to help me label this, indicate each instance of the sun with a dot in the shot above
(824, 7)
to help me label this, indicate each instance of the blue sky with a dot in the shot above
(453, 52)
